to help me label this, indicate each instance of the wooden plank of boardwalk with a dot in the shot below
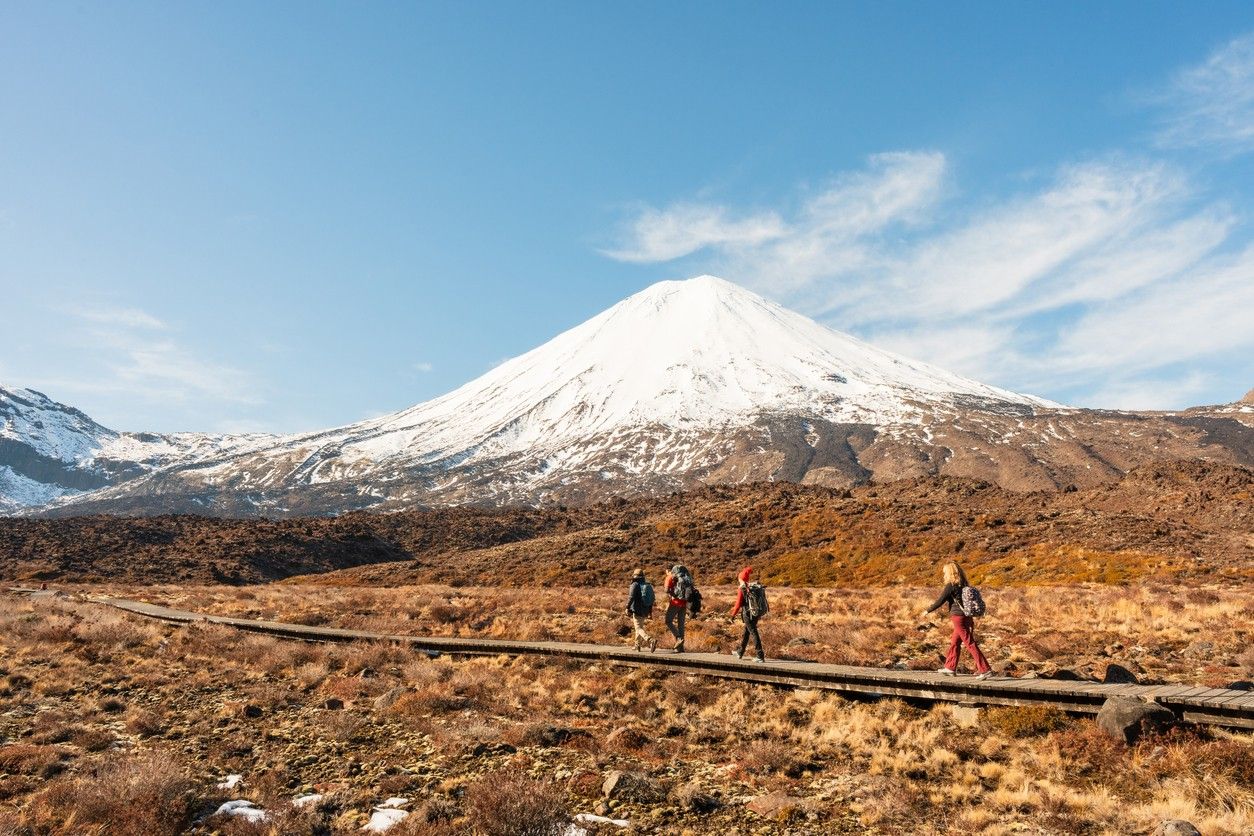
(1215, 706)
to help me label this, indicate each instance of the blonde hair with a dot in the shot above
(953, 573)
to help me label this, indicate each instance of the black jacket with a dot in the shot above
(952, 593)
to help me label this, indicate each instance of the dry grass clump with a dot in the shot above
(362, 722)
(32, 759)
(507, 805)
(133, 795)
(1025, 720)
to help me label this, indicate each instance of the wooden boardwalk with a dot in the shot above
(1213, 706)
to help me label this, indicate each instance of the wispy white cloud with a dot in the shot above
(1212, 104)
(423, 367)
(1109, 267)
(1148, 392)
(826, 231)
(123, 317)
(136, 354)
(663, 235)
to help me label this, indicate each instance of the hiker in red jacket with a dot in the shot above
(750, 619)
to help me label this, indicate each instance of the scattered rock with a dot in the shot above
(1064, 675)
(1119, 675)
(602, 809)
(799, 641)
(692, 798)
(590, 818)
(482, 749)
(1127, 719)
(389, 698)
(966, 716)
(1176, 827)
(1240, 685)
(627, 738)
(251, 711)
(777, 805)
(549, 736)
(333, 704)
(1199, 650)
(630, 786)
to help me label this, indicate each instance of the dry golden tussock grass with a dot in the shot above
(362, 722)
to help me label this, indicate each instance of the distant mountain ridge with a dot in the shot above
(683, 384)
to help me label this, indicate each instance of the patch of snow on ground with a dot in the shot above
(244, 809)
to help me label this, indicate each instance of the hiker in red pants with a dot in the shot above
(964, 625)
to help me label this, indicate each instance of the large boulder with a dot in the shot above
(630, 787)
(1126, 719)
(1176, 827)
(1119, 675)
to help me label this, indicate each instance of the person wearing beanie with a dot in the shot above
(749, 619)
(640, 607)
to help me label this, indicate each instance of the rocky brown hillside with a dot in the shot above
(1190, 519)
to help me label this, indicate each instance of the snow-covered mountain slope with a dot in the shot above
(681, 384)
(50, 451)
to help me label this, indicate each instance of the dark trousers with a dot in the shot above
(676, 615)
(751, 629)
(964, 635)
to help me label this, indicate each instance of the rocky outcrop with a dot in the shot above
(1128, 719)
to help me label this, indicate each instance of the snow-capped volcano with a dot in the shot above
(684, 383)
(701, 354)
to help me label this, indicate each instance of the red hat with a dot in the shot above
(745, 573)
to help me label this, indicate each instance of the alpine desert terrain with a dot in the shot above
(122, 726)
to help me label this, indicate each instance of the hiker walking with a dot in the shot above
(640, 607)
(751, 605)
(961, 612)
(680, 588)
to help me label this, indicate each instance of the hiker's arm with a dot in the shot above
(740, 599)
(944, 596)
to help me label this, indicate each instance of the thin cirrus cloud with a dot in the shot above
(1106, 253)
(136, 355)
(1211, 105)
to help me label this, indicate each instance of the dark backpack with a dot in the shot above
(694, 602)
(755, 600)
(684, 587)
(971, 602)
(646, 598)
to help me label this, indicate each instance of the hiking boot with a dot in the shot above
(738, 654)
(679, 646)
(761, 658)
(985, 675)
(652, 645)
(946, 671)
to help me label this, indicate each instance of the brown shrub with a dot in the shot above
(1025, 720)
(30, 759)
(507, 805)
(767, 757)
(92, 740)
(142, 795)
(146, 723)
(111, 705)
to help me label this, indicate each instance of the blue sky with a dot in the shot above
(288, 216)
